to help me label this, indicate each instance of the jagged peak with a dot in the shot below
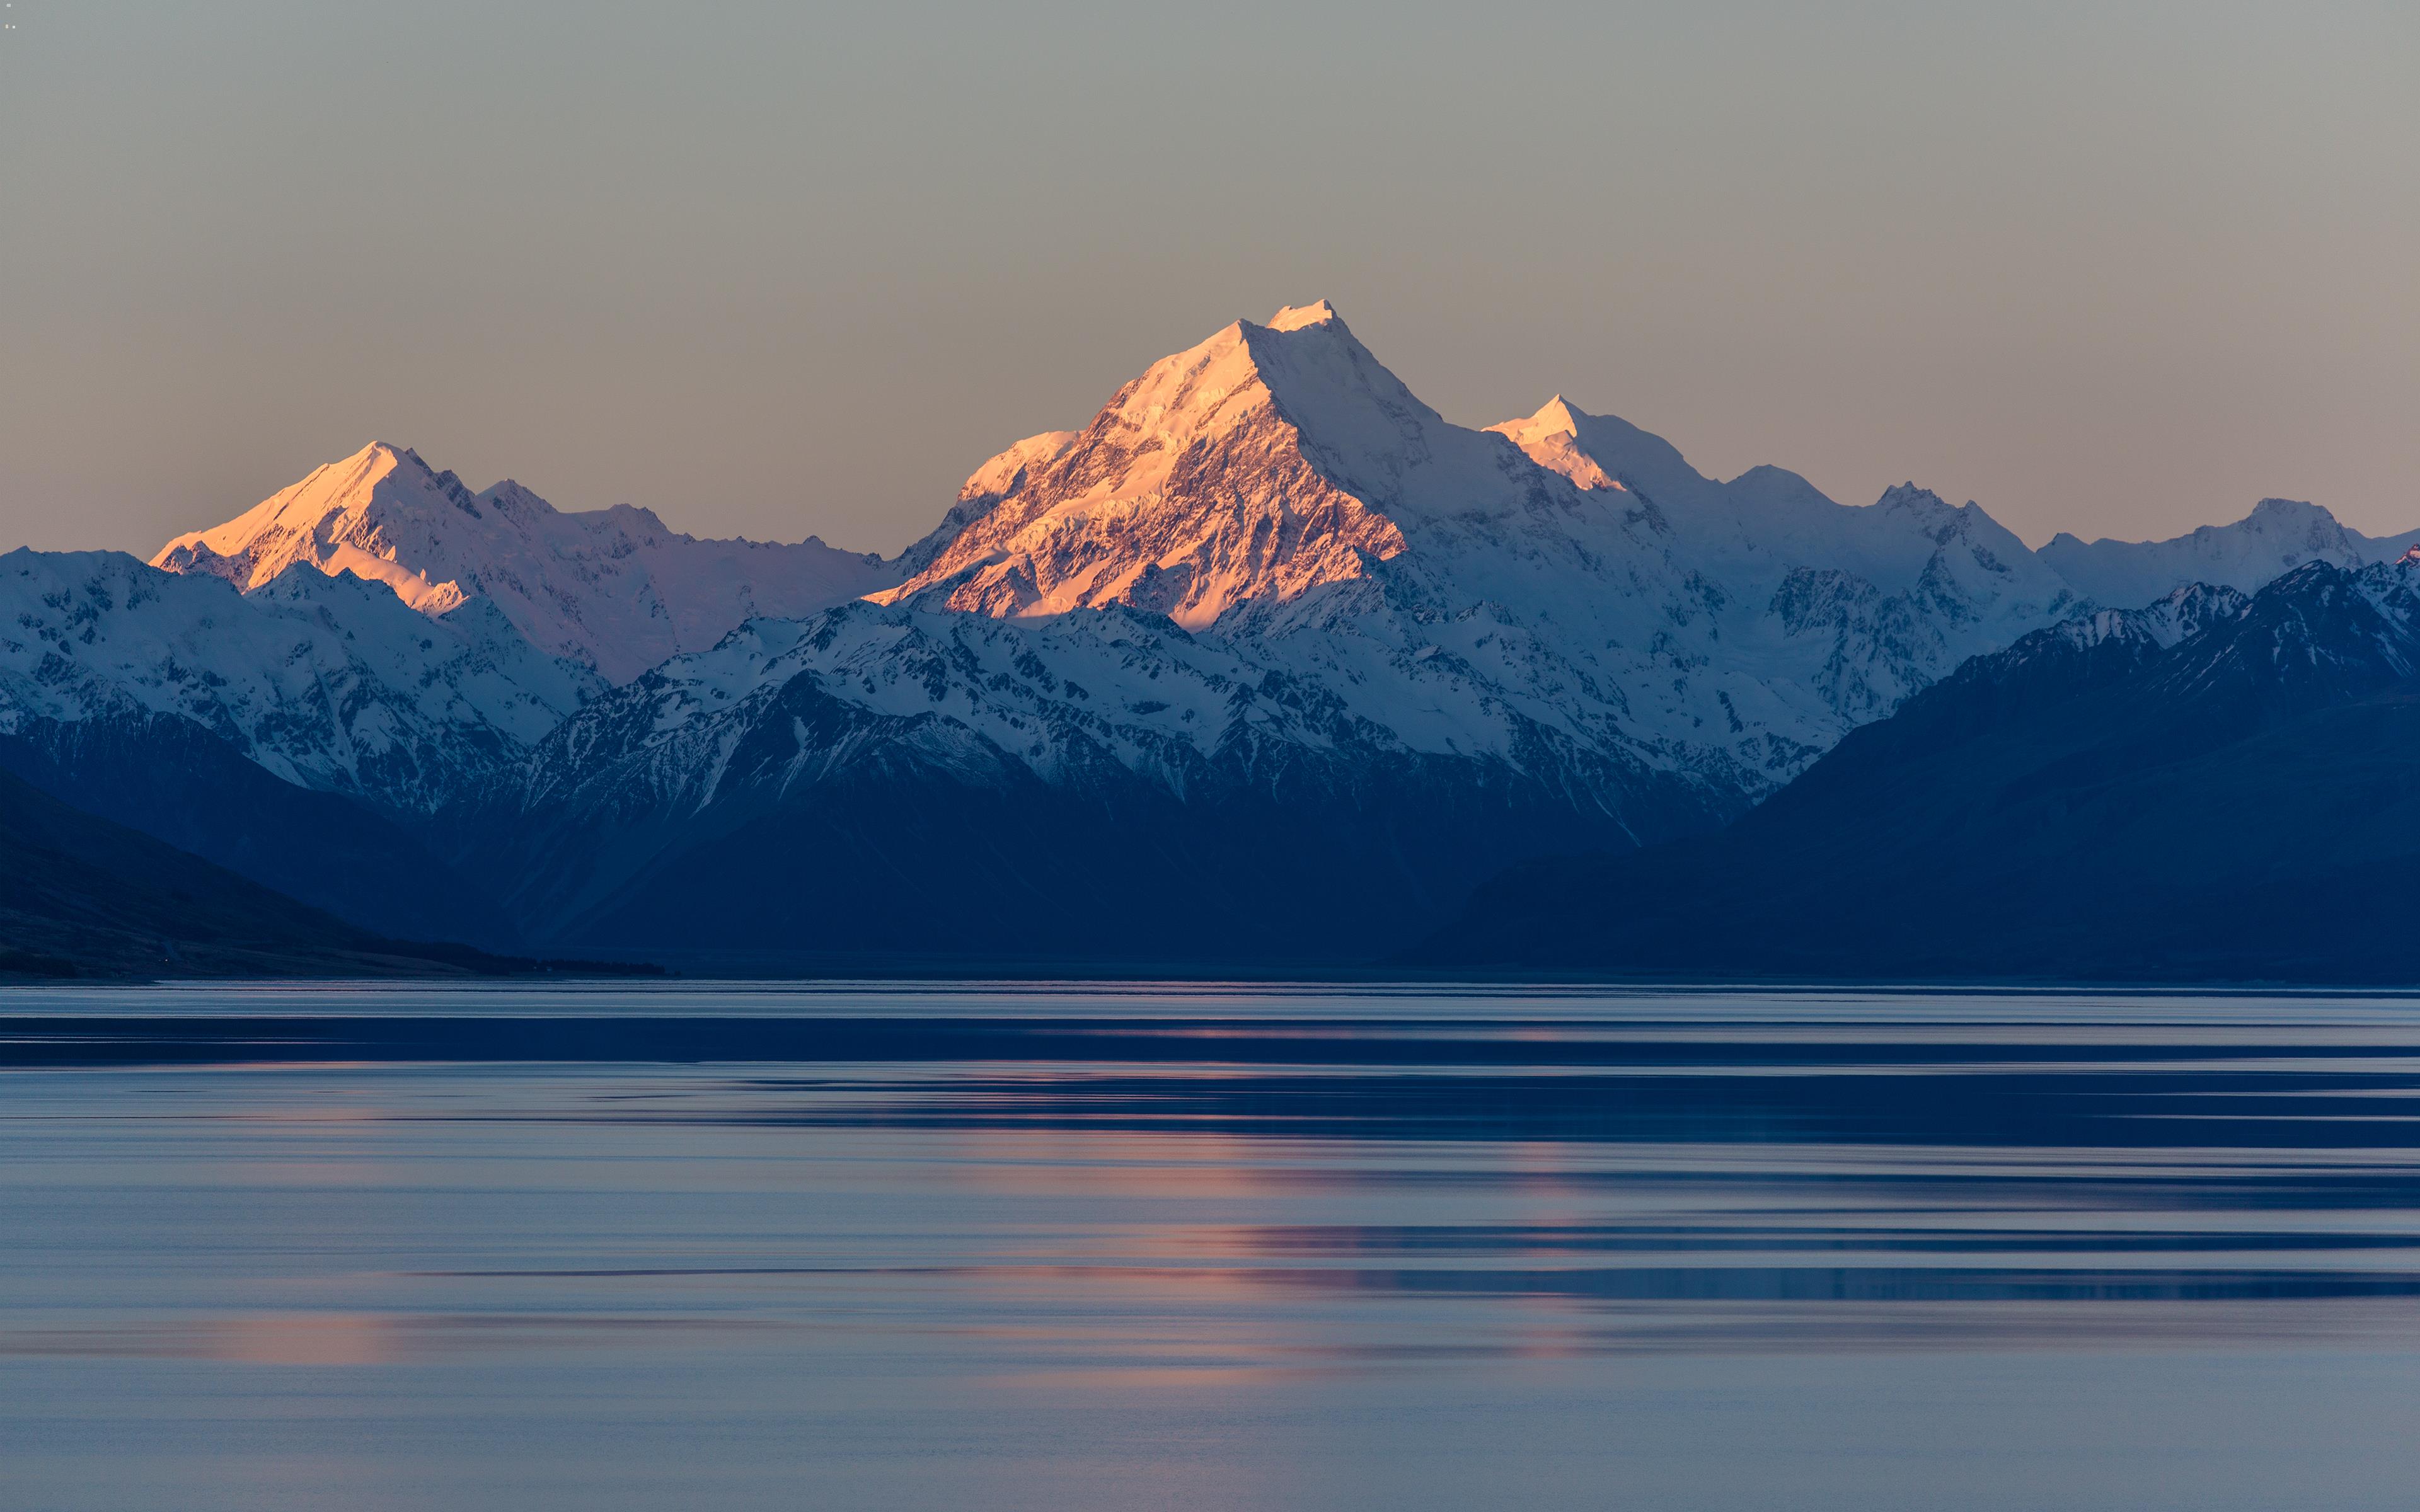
(1308, 368)
(1561, 414)
(369, 469)
(512, 496)
(2293, 581)
(382, 459)
(1296, 414)
(1597, 451)
(1558, 416)
(1297, 316)
(1551, 439)
(1911, 496)
(1945, 521)
(2193, 592)
(381, 451)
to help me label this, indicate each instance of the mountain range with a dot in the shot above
(2216, 787)
(1269, 663)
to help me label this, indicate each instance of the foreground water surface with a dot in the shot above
(1085, 1247)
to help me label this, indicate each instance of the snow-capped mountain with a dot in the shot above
(1278, 490)
(1267, 616)
(1261, 463)
(1268, 582)
(1863, 606)
(614, 588)
(329, 682)
(2279, 536)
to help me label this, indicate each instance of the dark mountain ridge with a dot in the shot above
(172, 779)
(2126, 796)
(83, 897)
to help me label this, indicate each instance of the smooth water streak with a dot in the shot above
(1259, 1245)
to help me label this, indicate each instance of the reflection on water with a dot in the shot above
(1111, 1246)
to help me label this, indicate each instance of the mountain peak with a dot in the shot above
(615, 587)
(510, 495)
(2277, 536)
(1552, 439)
(1558, 416)
(1296, 316)
(1255, 466)
(1606, 452)
(379, 459)
(1911, 496)
(2286, 511)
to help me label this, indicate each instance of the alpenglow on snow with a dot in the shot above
(1265, 587)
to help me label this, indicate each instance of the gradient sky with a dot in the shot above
(774, 269)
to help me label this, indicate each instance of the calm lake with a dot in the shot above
(1086, 1246)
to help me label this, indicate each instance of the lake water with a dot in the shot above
(1112, 1247)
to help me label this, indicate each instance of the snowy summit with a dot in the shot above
(614, 588)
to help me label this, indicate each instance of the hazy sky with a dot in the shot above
(775, 269)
